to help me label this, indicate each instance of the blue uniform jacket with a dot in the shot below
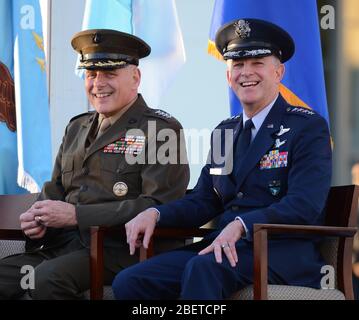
(284, 178)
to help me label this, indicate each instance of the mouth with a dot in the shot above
(247, 84)
(101, 95)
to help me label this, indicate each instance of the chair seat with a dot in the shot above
(107, 293)
(280, 292)
(9, 247)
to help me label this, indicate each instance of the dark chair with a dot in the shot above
(11, 237)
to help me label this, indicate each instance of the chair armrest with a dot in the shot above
(260, 251)
(305, 229)
(97, 234)
(179, 233)
(11, 235)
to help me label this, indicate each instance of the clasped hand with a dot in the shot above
(47, 213)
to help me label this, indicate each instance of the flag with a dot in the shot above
(22, 58)
(303, 82)
(155, 22)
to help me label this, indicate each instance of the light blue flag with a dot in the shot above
(303, 82)
(22, 51)
(156, 22)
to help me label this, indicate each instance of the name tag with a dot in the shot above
(216, 171)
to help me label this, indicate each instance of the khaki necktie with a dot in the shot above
(104, 125)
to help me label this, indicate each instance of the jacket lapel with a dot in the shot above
(263, 141)
(225, 184)
(85, 132)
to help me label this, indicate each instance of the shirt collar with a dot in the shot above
(259, 118)
(119, 114)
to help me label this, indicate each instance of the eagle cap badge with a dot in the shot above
(242, 29)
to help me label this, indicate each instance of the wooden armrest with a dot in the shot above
(96, 258)
(305, 229)
(11, 235)
(260, 251)
(181, 232)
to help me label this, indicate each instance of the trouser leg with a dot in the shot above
(155, 278)
(11, 284)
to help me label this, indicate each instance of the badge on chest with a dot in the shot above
(129, 144)
(274, 159)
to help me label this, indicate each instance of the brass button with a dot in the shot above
(120, 189)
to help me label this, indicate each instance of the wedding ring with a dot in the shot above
(38, 220)
(224, 245)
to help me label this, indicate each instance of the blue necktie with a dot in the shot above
(244, 141)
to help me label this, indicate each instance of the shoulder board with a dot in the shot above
(82, 115)
(231, 119)
(300, 110)
(160, 114)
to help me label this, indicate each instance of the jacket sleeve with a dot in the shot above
(53, 189)
(309, 181)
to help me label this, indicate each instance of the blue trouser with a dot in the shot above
(185, 274)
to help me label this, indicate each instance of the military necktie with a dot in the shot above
(104, 125)
(244, 141)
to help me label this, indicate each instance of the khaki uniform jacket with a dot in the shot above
(85, 175)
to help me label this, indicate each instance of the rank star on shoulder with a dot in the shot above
(142, 309)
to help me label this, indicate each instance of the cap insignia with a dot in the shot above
(242, 29)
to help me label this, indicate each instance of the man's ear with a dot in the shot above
(280, 72)
(228, 76)
(137, 76)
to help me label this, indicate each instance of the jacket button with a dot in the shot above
(240, 195)
(85, 171)
(83, 188)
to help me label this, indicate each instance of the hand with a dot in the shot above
(30, 225)
(141, 226)
(56, 214)
(226, 241)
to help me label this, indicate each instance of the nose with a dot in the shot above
(246, 70)
(99, 80)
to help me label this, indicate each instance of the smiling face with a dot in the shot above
(110, 90)
(255, 81)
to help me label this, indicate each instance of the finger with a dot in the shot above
(218, 253)
(147, 237)
(206, 250)
(26, 217)
(38, 235)
(128, 232)
(29, 225)
(234, 252)
(33, 231)
(227, 251)
(132, 241)
(37, 205)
